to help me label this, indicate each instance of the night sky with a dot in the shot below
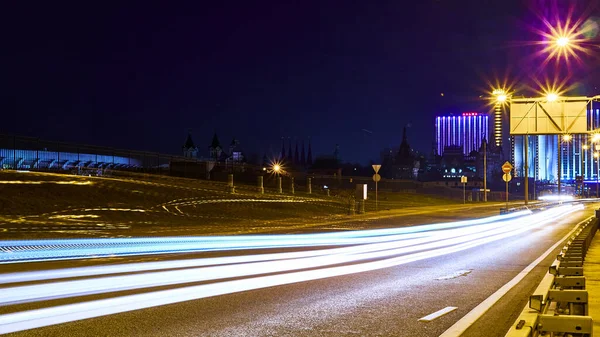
(138, 76)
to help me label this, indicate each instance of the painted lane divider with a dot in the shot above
(437, 314)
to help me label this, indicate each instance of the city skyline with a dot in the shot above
(127, 78)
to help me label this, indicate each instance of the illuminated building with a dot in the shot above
(466, 131)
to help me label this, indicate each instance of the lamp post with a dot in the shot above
(565, 138)
(596, 155)
(277, 170)
(584, 147)
(484, 170)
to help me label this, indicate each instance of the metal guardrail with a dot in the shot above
(559, 305)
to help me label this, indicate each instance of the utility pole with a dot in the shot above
(559, 163)
(526, 170)
(484, 169)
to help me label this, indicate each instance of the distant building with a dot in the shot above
(189, 149)
(466, 131)
(404, 163)
(235, 160)
(215, 150)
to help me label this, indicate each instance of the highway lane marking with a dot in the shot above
(455, 275)
(437, 314)
(470, 318)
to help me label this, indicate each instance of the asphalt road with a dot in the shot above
(386, 302)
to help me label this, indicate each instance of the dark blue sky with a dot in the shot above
(139, 75)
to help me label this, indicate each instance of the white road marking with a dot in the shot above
(464, 323)
(455, 275)
(437, 314)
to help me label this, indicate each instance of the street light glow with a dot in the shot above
(566, 39)
(562, 41)
(596, 137)
(567, 137)
(585, 147)
(501, 98)
(276, 168)
(552, 97)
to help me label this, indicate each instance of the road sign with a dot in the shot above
(506, 177)
(463, 179)
(507, 167)
(376, 178)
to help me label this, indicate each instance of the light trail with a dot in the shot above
(334, 256)
(51, 250)
(146, 266)
(66, 313)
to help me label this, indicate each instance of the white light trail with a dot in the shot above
(82, 248)
(354, 239)
(66, 313)
(334, 256)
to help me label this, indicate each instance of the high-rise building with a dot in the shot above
(466, 130)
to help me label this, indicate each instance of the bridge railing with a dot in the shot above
(559, 305)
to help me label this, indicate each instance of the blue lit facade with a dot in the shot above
(543, 155)
(466, 131)
(40, 159)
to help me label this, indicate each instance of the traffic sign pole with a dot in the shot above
(506, 177)
(507, 196)
(506, 168)
(376, 177)
(463, 180)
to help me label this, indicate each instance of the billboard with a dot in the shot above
(539, 117)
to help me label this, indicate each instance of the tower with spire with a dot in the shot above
(405, 161)
(303, 156)
(189, 149)
(290, 155)
(215, 148)
(282, 154)
(309, 160)
(296, 155)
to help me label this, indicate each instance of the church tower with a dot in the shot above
(189, 149)
(215, 148)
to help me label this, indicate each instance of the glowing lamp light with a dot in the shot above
(567, 138)
(551, 97)
(277, 168)
(501, 98)
(596, 137)
(563, 41)
(585, 147)
(595, 154)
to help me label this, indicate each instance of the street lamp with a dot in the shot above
(596, 155)
(565, 138)
(562, 41)
(277, 169)
(584, 147)
(552, 97)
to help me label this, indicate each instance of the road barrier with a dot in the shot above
(559, 305)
